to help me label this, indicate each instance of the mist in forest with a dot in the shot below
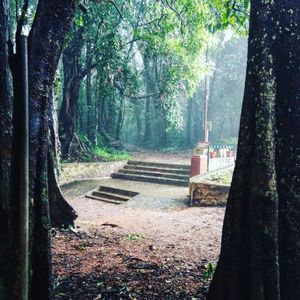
(146, 125)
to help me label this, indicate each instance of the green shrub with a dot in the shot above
(110, 154)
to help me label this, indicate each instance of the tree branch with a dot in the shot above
(141, 97)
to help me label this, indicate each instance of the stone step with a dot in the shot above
(155, 174)
(159, 180)
(160, 165)
(109, 196)
(90, 196)
(157, 169)
(117, 191)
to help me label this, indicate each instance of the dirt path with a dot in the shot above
(152, 247)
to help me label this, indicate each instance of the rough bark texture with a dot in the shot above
(61, 213)
(260, 254)
(7, 229)
(50, 26)
(52, 20)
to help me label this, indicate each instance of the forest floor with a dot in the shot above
(153, 247)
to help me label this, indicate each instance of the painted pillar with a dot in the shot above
(199, 161)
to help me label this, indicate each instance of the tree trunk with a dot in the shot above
(260, 254)
(52, 21)
(72, 81)
(120, 119)
(139, 127)
(8, 204)
(147, 132)
(150, 87)
(61, 213)
(91, 132)
(189, 121)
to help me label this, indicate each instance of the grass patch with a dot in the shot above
(111, 155)
(134, 237)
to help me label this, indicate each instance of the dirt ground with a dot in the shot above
(153, 247)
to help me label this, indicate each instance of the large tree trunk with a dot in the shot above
(46, 40)
(61, 213)
(8, 229)
(52, 21)
(260, 254)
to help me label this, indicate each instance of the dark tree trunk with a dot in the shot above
(72, 80)
(46, 40)
(8, 205)
(260, 254)
(52, 21)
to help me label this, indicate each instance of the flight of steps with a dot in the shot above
(161, 173)
(111, 195)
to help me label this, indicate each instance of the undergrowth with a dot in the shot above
(106, 154)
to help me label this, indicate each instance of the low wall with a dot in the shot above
(220, 162)
(204, 192)
(78, 171)
(209, 194)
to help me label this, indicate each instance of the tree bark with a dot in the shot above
(260, 253)
(91, 120)
(52, 21)
(8, 229)
(72, 81)
(61, 213)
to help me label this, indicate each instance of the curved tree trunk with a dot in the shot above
(61, 213)
(260, 254)
(72, 81)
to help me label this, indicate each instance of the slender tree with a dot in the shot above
(260, 254)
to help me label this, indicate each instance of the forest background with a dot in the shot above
(136, 74)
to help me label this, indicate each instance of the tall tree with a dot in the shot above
(260, 254)
(51, 23)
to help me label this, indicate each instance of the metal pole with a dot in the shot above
(24, 170)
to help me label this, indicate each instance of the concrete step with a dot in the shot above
(159, 180)
(117, 191)
(90, 196)
(155, 174)
(157, 169)
(160, 165)
(110, 196)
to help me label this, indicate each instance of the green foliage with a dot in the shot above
(110, 154)
(134, 237)
(148, 47)
(209, 271)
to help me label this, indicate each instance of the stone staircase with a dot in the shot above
(111, 195)
(161, 173)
